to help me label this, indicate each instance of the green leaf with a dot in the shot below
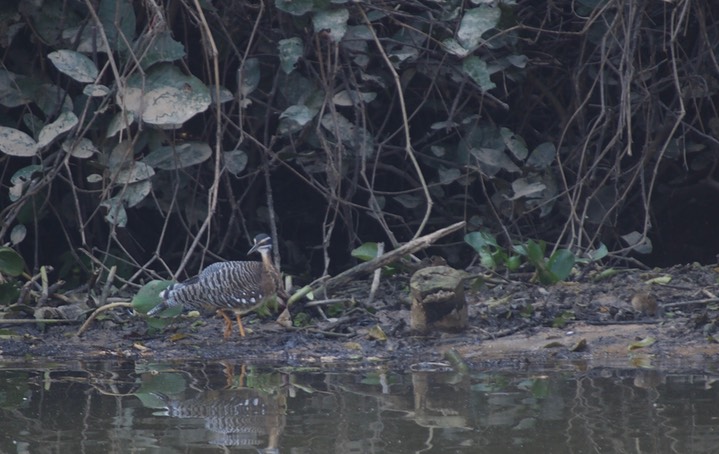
(183, 155)
(11, 264)
(474, 23)
(81, 149)
(295, 7)
(332, 21)
(74, 64)
(249, 75)
(9, 293)
(290, 50)
(646, 342)
(365, 252)
(64, 122)
(149, 296)
(118, 21)
(116, 214)
(14, 142)
(514, 143)
(162, 49)
(235, 161)
(21, 179)
(480, 241)
(132, 173)
(560, 264)
(535, 251)
(11, 93)
(166, 97)
(542, 156)
(476, 69)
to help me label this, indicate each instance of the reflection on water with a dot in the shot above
(193, 407)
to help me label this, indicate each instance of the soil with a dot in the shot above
(512, 323)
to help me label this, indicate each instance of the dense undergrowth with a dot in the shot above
(158, 138)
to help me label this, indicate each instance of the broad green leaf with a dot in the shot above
(453, 47)
(353, 97)
(535, 251)
(249, 75)
(17, 234)
(132, 173)
(171, 107)
(365, 252)
(524, 188)
(356, 138)
(520, 61)
(116, 214)
(599, 253)
(480, 240)
(16, 143)
(121, 120)
(542, 156)
(64, 122)
(9, 293)
(638, 242)
(162, 49)
(81, 149)
(561, 263)
(11, 93)
(408, 200)
(646, 342)
(299, 115)
(290, 50)
(447, 176)
(149, 296)
(496, 158)
(332, 21)
(235, 161)
(118, 21)
(135, 193)
(167, 97)
(225, 94)
(183, 155)
(295, 7)
(74, 64)
(474, 23)
(20, 180)
(476, 69)
(11, 264)
(51, 99)
(514, 143)
(95, 90)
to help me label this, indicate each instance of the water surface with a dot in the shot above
(101, 407)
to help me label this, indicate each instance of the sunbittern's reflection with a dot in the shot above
(235, 417)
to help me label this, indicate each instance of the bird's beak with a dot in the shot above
(254, 248)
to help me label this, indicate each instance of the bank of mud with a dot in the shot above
(512, 323)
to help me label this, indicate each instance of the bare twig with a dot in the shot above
(97, 312)
(411, 247)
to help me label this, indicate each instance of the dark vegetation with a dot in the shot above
(160, 137)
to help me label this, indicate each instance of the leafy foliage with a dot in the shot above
(139, 133)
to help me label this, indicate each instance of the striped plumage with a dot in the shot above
(237, 287)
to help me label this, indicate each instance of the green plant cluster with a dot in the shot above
(159, 137)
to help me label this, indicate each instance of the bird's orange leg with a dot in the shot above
(228, 323)
(239, 325)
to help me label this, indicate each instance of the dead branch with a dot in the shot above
(413, 246)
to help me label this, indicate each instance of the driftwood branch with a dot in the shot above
(367, 267)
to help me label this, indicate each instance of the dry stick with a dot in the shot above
(405, 123)
(377, 274)
(97, 311)
(413, 246)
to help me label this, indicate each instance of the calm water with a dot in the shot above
(109, 407)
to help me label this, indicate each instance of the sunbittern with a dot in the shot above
(237, 287)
